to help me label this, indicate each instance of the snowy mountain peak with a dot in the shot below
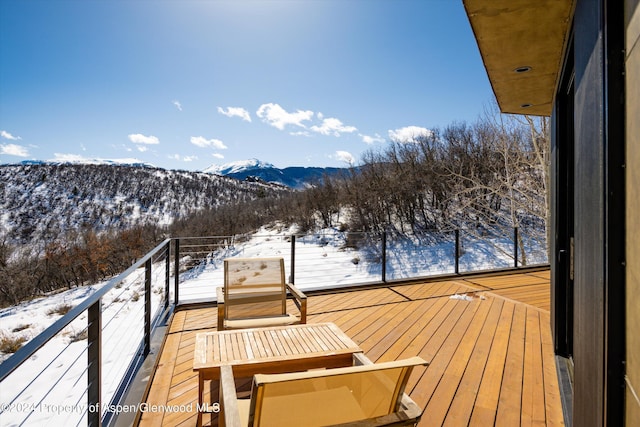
(117, 162)
(237, 167)
(297, 177)
(87, 161)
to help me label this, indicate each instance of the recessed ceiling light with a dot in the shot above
(523, 69)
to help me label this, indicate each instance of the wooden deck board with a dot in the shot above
(404, 331)
(533, 408)
(366, 298)
(553, 406)
(509, 404)
(440, 351)
(491, 356)
(486, 405)
(445, 393)
(436, 289)
(507, 281)
(462, 404)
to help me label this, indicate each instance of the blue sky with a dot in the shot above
(187, 84)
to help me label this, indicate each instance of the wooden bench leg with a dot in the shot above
(211, 394)
(200, 393)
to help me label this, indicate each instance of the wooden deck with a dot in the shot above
(490, 349)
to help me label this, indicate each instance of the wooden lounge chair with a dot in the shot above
(255, 295)
(362, 395)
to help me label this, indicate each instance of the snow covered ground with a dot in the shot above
(51, 386)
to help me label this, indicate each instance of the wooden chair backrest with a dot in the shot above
(254, 287)
(334, 396)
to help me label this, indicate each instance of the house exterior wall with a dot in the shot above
(589, 275)
(600, 213)
(632, 67)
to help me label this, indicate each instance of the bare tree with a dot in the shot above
(499, 170)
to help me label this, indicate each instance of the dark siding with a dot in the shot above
(615, 336)
(589, 352)
(598, 331)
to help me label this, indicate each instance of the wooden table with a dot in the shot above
(270, 350)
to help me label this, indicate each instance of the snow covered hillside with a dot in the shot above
(44, 201)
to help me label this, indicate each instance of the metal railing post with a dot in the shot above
(94, 364)
(167, 275)
(147, 307)
(384, 256)
(457, 254)
(515, 247)
(292, 272)
(176, 272)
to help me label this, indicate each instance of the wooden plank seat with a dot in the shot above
(365, 394)
(255, 295)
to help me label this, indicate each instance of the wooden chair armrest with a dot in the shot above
(297, 293)
(230, 413)
(220, 298)
(359, 359)
(409, 413)
(301, 301)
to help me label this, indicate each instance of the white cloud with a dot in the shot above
(218, 156)
(177, 104)
(202, 142)
(278, 117)
(142, 148)
(138, 138)
(408, 134)
(344, 156)
(180, 158)
(368, 139)
(6, 135)
(235, 112)
(300, 133)
(13, 150)
(333, 126)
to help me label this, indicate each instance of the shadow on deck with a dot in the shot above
(490, 348)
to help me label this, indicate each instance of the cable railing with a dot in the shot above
(332, 259)
(79, 370)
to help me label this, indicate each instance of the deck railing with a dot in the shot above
(78, 370)
(337, 259)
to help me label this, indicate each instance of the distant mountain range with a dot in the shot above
(253, 170)
(42, 200)
(112, 162)
(297, 177)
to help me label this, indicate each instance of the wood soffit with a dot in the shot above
(522, 44)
